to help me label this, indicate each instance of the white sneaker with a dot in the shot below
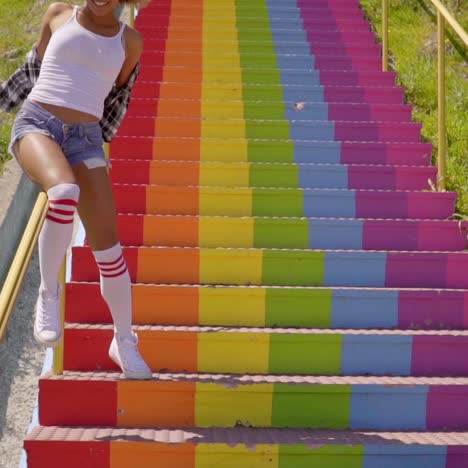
(124, 352)
(48, 323)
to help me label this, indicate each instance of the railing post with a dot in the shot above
(385, 35)
(441, 163)
(58, 350)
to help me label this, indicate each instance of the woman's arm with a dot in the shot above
(133, 50)
(50, 21)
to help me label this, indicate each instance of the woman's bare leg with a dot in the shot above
(44, 162)
(98, 214)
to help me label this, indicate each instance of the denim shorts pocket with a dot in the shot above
(93, 136)
(26, 117)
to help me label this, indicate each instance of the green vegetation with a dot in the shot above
(413, 49)
(19, 26)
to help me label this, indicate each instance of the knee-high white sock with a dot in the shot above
(116, 287)
(56, 233)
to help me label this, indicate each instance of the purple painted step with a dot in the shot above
(339, 24)
(369, 112)
(386, 153)
(358, 49)
(342, 37)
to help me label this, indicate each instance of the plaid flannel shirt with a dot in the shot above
(17, 88)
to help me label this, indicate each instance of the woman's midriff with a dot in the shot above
(70, 116)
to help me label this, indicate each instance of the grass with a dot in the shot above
(19, 26)
(413, 48)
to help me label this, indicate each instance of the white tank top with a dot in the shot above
(79, 68)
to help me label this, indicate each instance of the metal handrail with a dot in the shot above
(443, 17)
(14, 279)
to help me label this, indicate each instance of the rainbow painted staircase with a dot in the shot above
(299, 290)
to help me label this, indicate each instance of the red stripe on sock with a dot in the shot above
(65, 201)
(113, 275)
(62, 212)
(111, 263)
(57, 220)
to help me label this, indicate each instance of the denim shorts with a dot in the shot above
(79, 142)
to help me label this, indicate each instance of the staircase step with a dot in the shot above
(207, 400)
(270, 93)
(310, 203)
(279, 36)
(235, 174)
(276, 36)
(258, 11)
(241, 446)
(282, 61)
(255, 306)
(266, 76)
(254, 25)
(164, 4)
(264, 110)
(291, 233)
(304, 130)
(276, 351)
(321, 111)
(363, 48)
(275, 267)
(276, 16)
(238, 149)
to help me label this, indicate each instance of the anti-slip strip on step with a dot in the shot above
(310, 332)
(231, 380)
(245, 435)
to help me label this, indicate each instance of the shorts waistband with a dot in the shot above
(30, 105)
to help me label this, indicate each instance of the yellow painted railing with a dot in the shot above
(444, 17)
(20, 263)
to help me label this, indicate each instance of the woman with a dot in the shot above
(86, 57)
